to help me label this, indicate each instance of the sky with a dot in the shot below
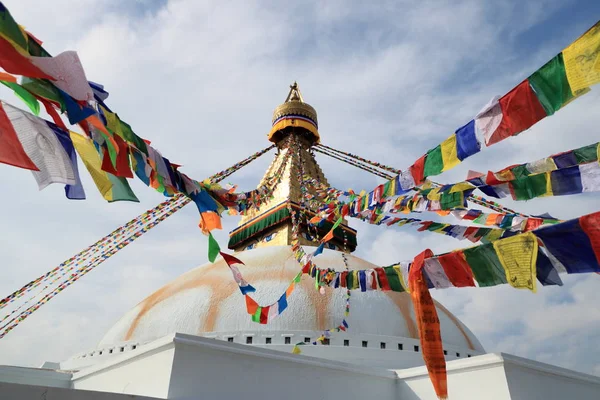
(389, 79)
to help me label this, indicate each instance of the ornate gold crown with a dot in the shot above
(294, 106)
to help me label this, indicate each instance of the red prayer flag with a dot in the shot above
(383, 280)
(264, 315)
(424, 226)
(16, 63)
(122, 167)
(591, 226)
(532, 224)
(417, 170)
(344, 279)
(11, 149)
(520, 110)
(456, 268)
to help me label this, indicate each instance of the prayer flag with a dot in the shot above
(384, 283)
(10, 30)
(586, 154)
(551, 85)
(457, 270)
(213, 248)
(486, 266)
(428, 323)
(14, 62)
(520, 110)
(121, 166)
(591, 226)
(436, 273)
(92, 162)
(417, 170)
(42, 147)
(466, 141)
(566, 181)
(67, 74)
(231, 261)
(489, 118)
(590, 177)
(571, 246)
(518, 256)
(73, 192)
(209, 220)
(546, 273)
(11, 149)
(449, 153)
(580, 58)
(29, 99)
(529, 187)
(433, 162)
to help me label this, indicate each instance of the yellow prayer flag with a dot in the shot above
(494, 235)
(582, 58)
(518, 255)
(449, 155)
(91, 159)
(461, 187)
(434, 194)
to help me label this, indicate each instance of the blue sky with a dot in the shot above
(389, 80)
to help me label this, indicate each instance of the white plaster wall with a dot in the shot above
(527, 383)
(10, 391)
(147, 374)
(242, 372)
(38, 376)
(465, 382)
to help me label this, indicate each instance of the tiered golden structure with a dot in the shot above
(294, 121)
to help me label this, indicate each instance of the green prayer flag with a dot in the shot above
(24, 95)
(520, 171)
(298, 277)
(433, 162)
(551, 85)
(11, 30)
(529, 187)
(485, 265)
(131, 137)
(350, 280)
(121, 191)
(586, 154)
(435, 226)
(337, 223)
(213, 249)
(256, 315)
(451, 200)
(43, 89)
(393, 279)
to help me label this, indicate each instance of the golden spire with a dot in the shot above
(295, 132)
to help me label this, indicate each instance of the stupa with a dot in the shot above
(206, 301)
(193, 338)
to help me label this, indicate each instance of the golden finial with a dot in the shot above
(294, 112)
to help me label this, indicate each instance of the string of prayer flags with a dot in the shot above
(558, 82)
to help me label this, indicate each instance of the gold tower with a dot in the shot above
(294, 131)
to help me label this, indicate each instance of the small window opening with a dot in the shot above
(110, 351)
(416, 348)
(288, 340)
(364, 343)
(382, 345)
(457, 354)
(400, 346)
(346, 342)
(268, 340)
(468, 356)
(230, 339)
(445, 352)
(248, 339)
(134, 347)
(122, 349)
(306, 340)
(326, 342)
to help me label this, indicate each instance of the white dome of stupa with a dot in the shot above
(206, 301)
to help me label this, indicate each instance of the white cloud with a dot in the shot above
(389, 79)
